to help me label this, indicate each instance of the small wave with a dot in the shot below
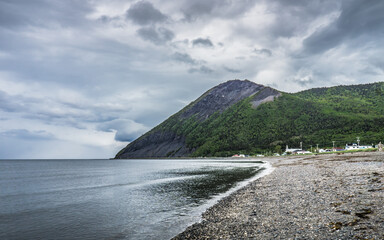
(129, 185)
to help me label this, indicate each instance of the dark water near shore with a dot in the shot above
(111, 199)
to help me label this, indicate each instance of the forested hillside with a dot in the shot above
(265, 119)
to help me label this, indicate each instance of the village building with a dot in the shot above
(292, 150)
(355, 146)
(301, 152)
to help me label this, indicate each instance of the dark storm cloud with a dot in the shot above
(144, 13)
(27, 135)
(202, 69)
(263, 52)
(215, 8)
(357, 20)
(204, 42)
(184, 58)
(158, 36)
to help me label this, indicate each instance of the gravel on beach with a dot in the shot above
(306, 197)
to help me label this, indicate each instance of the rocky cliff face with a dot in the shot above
(220, 98)
(166, 142)
(157, 144)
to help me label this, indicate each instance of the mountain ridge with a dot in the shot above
(242, 116)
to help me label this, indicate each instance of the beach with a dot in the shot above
(332, 196)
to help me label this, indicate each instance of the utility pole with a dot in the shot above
(333, 149)
(358, 141)
(317, 147)
(301, 145)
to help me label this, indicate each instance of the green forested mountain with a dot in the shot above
(244, 117)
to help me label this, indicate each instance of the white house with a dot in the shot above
(302, 152)
(355, 146)
(291, 150)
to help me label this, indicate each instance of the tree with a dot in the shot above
(278, 149)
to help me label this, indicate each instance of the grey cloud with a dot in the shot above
(9, 15)
(183, 57)
(304, 81)
(71, 62)
(263, 52)
(202, 69)
(144, 13)
(157, 36)
(357, 19)
(205, 42)
(56, 111)
(377, 61)
(108, 19)
(27, 135)
(10, 104)
(273, 85)
(126, 130)
(294, 17)
(371, 71)
(231, 70)
(215, 8)
(16, 14)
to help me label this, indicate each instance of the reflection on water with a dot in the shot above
(206, 182)
(119, 199)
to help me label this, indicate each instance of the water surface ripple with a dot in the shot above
(112, 199)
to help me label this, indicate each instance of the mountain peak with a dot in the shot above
(220, 97)
(165, 139)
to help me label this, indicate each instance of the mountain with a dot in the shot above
(245, 117)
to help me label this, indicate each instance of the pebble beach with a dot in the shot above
(332, 196)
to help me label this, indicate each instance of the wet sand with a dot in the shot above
(305, 197)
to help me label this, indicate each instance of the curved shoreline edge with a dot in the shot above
(304, 197)
(265, 169)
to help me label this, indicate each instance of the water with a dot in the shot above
(112, 199)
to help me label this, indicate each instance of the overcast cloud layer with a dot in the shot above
(81, 79)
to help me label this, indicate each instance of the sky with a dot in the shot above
(83, 78)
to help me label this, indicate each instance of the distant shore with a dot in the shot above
(305, 197)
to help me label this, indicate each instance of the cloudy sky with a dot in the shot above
(82, 78)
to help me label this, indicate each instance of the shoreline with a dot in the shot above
(267, 169)
(305, 197)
